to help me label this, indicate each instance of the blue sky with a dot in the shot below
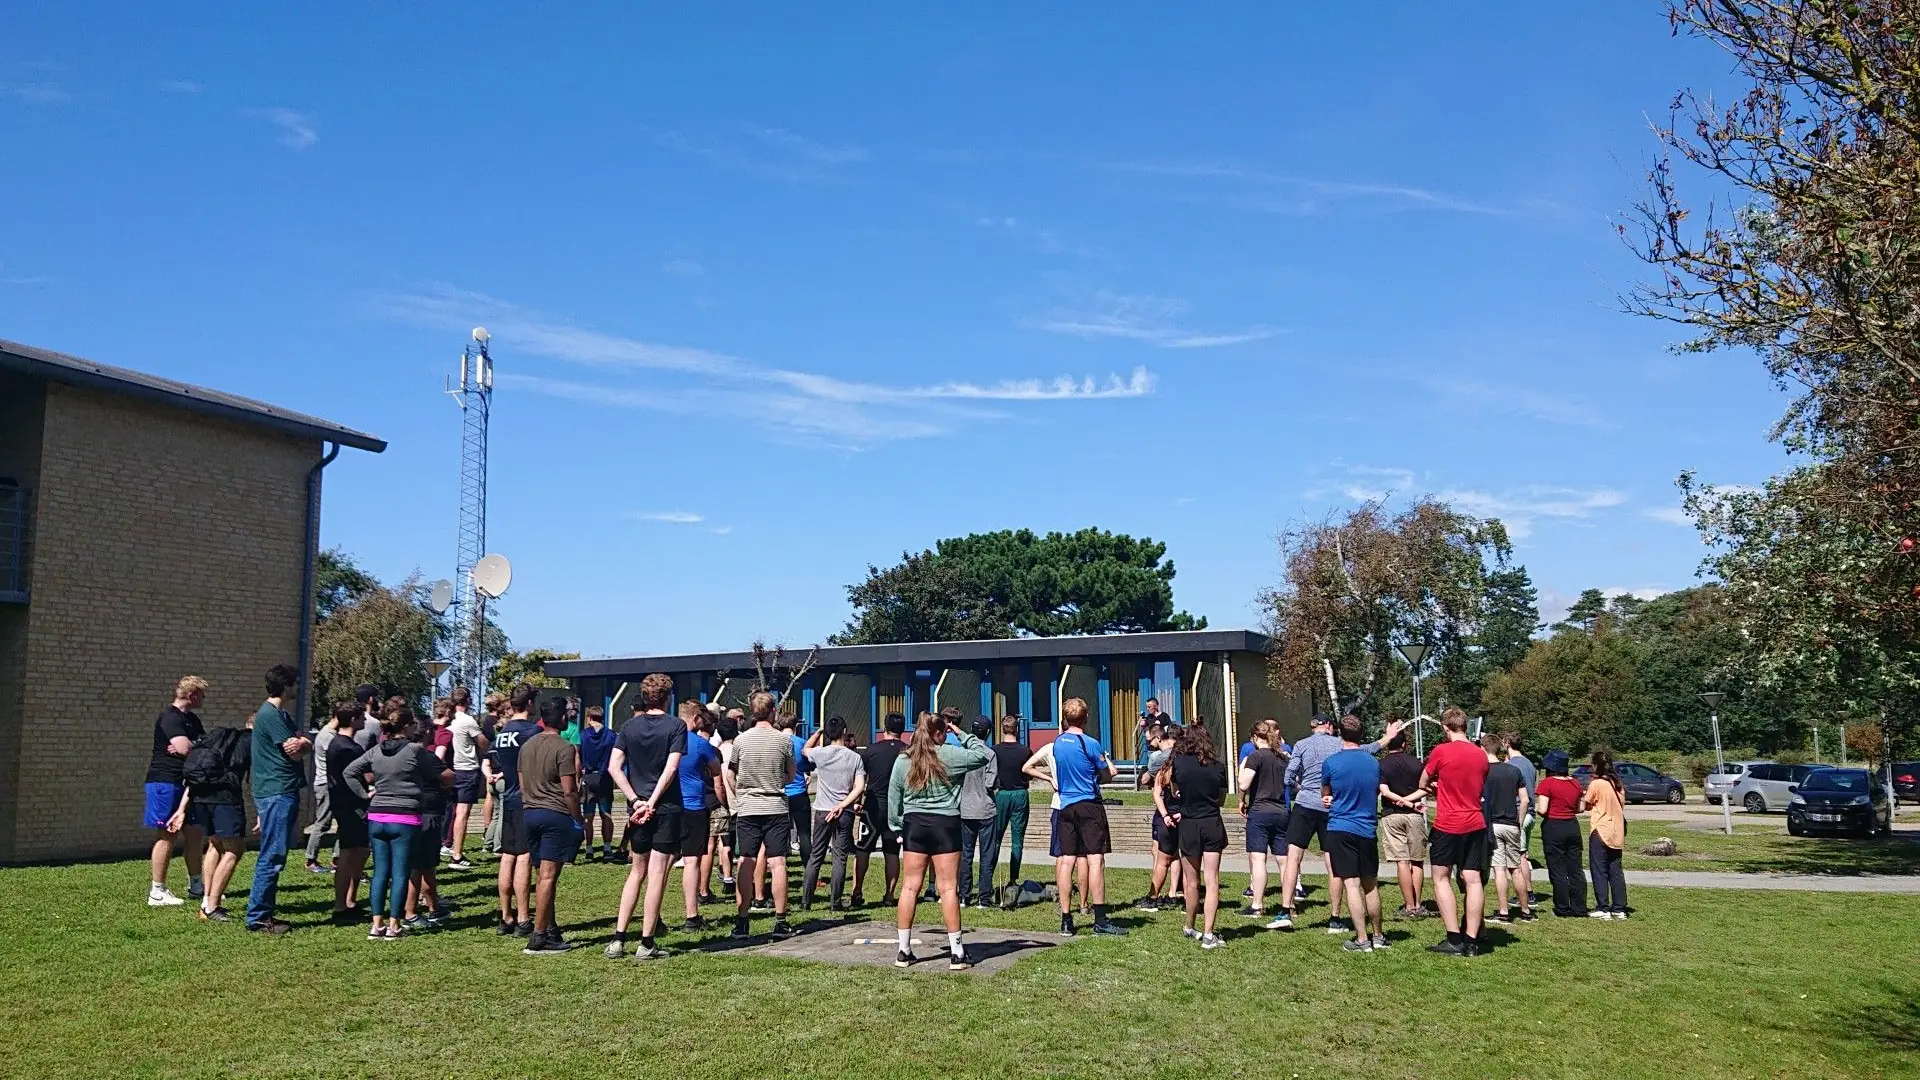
(775, 294)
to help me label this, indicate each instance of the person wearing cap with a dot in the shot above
(977, 812)
(1558, 804)
(1308, 821)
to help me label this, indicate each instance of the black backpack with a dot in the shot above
(215, 757)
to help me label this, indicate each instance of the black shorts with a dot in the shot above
(469, 786)
(226, 821)
(1306, 824)
(879, 833)
(1267, 832)
(1166, 839)
(930, 834)
(425, 852)
(694, 825)
(661, 832)
(771, 833)
(1461, 851)
(551, 836)
(1201, 835)
(350, 826)
(1082, 829)
(1352, 855)
(513, 831)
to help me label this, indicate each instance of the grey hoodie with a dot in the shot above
(976, 792)
(403, 771)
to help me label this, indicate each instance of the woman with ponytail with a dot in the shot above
(1606, 837)
(923, 808)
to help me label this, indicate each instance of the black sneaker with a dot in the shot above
(1338, 925)
(505, 929)
(708, 898)
(1108, 929)
(1447, 947)
(1471, 948)
(524, 929)
(1148, 903)
(1247, 892)
(904, 959)
(1066, 926)
(549, 944)
(741, 929)
(1528, 916)
(697, 922)
(272, 928)
(782, 929)
(1251, 912)
(761, 905)
(1500, 917)
(959, 961)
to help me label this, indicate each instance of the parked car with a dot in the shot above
(1643, 784)
(1906, 781)
(1719, 783)
(1845, 801)
(1768, 787)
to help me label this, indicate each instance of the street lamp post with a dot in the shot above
(435, 669)
(1712, 700)
(1415, 654)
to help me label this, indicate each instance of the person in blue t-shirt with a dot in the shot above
(596, 783)
(699, 768)
(1076, 765)
(799, 807)
(1350, 795)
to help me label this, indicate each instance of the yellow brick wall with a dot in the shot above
(167, 543)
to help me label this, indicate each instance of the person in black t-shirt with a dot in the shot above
(646, 767)
(174, 733)
(1263, 803)
(220, 811)
(1009, 802)
(1201, 781)
(349, 813)
(879, 759)
(1403, 824)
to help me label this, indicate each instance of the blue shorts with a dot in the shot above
(162, 801)
(469, 786)
(551, 836)
(224, 820)
(1053, 835)
(1267, 832)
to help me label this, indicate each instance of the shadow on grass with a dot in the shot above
(1825, 855)
(1891, 1021)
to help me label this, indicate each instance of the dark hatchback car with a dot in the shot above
(1643, 784)
(1906, 781)
(1845, 801)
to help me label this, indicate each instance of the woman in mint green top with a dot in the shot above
(923, 806)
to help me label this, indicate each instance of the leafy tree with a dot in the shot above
(1512, 618)
(1355, 588)
(338, 580)
(511, 668)
(1579, 689)
(381, 636)
(1018, 583)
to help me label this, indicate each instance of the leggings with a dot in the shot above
(392, 849)
(1609, 880)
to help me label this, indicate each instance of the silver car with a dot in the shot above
(1719, 783)
(1768, 787)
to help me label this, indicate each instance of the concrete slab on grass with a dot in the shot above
(874, 943)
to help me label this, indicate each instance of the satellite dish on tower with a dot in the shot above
(491, 576)
(440, 597)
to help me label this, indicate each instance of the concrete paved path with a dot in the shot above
(1664, 879)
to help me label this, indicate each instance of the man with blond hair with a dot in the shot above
(1076, 766)
(174, 732)
(646, 767)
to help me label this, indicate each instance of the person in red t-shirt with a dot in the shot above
(1558, 803)
(1457, 773)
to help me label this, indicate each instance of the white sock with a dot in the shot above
(953, 943)
(158, 886)
(906, 939)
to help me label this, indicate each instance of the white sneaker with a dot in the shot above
(1620, 916)
(161, 896)
(1190, 932)
(1598, 915)
(446, 852)
(1211, 941)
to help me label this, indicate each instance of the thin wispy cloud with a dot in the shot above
(1672, 515)
(296, 129)
(181, 86)
(787, 404)
(669, 517)
(808, 148)
(1153, 320)
(1268, 191)
(682, 268)
(771, 152)
(37, 93)
(25, 281)
(1509, 398)
(1520, 508)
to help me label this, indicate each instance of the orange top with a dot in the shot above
(1608, 817)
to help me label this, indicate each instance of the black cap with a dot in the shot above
(1320, 718)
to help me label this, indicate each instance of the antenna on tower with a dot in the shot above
(467, 613)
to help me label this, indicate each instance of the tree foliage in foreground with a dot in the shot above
(1016, 583)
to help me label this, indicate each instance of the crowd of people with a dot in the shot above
(726, 793)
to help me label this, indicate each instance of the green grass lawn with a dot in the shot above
(1756, 848)
(1698, 984)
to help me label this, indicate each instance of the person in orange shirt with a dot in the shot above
(1606, 836)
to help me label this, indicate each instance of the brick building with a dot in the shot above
(148, 529)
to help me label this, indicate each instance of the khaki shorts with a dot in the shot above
(1509, 850)
(719, 822)
(1403, 838)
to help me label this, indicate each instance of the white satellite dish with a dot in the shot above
(440, 597)
(491, 576)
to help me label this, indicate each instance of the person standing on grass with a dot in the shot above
(1530, 776)
(424, 910)
(393, 779)
(1350, 792)
(799, 807)
(215, 769)
(1457, 773)
(1276, 857)
(349, 813)
(1558, 804)
(491, 721)
(1166, 833)
(597, 741)
(1076, 767)
(278, 747)
(438, 738)
(322, 822)
(923, 807)
(696, 773)
(720, 824)
(1506, 796)
(175, 731)
(1263, 803)
(977, 812)
(646, 766)
(1403, 824)
(879, 759)
(1202, 783)
(763, 764)
(514, 881)
(470, 744)
(371, 704)
(1009, 807)
(1308, 821)
(1606, 838)
(550, 792)
(839, 787)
